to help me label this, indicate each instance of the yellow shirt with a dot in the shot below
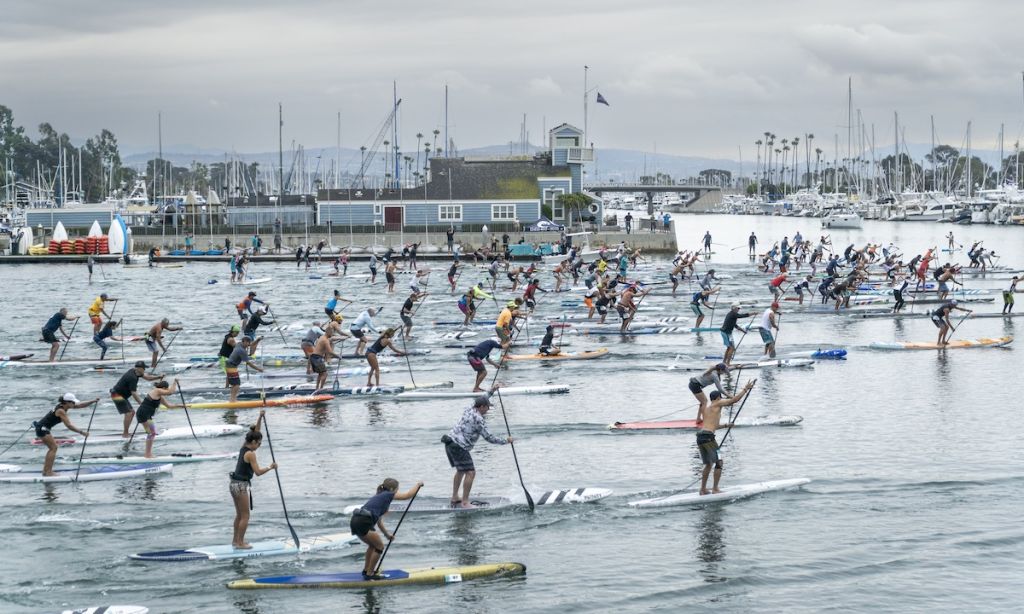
(97, 307)
(505, 318)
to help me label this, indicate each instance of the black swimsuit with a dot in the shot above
(47, 422)
(147, 409)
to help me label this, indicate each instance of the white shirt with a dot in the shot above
(766, 319)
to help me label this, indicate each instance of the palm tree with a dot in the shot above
(419, 137)
(817, 162)
(362, 163)
(757, 167)
(796, 159)
(807, 146)
(436, 133)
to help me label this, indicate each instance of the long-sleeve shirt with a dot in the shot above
(470, 427)
(729, 324)
(478, 292)
(363, 321)
(706, 379)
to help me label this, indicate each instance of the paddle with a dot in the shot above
(68, 340)
(337, 370)
(727, 431)
(408, 363)
(169, 344)
(120, 327)
(187, 417)
(529, 499)
(957, 327)
(85, 441)
(270, 444)
(279, 331)
(15, 442)
(380, 561)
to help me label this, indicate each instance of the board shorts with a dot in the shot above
(1007, 297)
(727, 339)
(151, 345)
(317, 362)
(938, 322)
(695, 386)
(708, 447)
(695, 308)
(357, 333)
(943, 287)
(96, 319)
(766, 336)
(589, 302)
(776, 290)
(390, 277)
(361, 523)
(329, 312)
(503, 333)
(621, 310)
(122, 404)
(307, 347)
(49, 337)
(476, 363)
(223, 362)
(458, 457)
(463, 307)
(407, 320)
(451, 279)
(232, 373)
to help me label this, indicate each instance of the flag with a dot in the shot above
(601, 100)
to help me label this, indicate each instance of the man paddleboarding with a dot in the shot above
(459, 442)
(706, 443)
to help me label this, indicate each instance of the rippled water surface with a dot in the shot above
(918, 480)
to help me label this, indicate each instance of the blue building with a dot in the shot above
(472, 191)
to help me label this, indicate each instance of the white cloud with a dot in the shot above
(544, 86)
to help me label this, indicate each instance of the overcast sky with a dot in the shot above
(694, 78)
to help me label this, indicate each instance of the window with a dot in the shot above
(376, 209)
(551, 202)
(567, 141)
(503, 213)
(449, 213)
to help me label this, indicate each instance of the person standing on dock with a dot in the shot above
(52, 325)
(88, 263)
(706, 443)
(629, 223)
(459, 442)
(450, 237)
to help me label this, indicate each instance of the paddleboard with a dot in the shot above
(178, 432)
(693, 425)
(550, 497)
(10, 468)
(984, 342)
(117, 237)
(95, 231)
(303, 400)
(110, 609)
(272, 547)
(256, 282)
(72, 363)
(346, 372)
(561, 356)
(88, 474)
(728, 494)
(453, 394)
(170, 458)
(12, 357)
(781, 363)
(391, 577)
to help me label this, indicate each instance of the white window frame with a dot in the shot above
(446, 213)
(567, 141)
(551, 199)
(508, 207)
(378, 209)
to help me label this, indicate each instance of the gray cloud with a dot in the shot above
(697, 79)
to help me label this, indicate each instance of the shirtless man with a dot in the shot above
(155, 338)
(323, 351)
(706, 443)
(626, 307)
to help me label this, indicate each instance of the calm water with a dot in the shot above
(914, 457)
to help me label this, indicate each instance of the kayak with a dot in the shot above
(110, 609)
(303, 400)
(391, 577)
(87, 474)
(272, 547)
(177, 458)
(550, 497)
(453, 394)
(984, 342)
(561, 356)
(178, 432)
(728, 494)
(692, 425)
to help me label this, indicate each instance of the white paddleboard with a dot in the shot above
(178, 432)
(255, 282)
(95, 231)
(273, 547)
(728, 494)
(482, 504)
(417, 395)
(87, 474)
(110, 609)
(72, 363)
(135, 460)
(60, 234)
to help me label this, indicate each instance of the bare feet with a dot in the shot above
(715, 491)
(704, 491)
(242, 546)
(126, 434)
(49, 475)
(466, 505)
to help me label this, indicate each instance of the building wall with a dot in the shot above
(359, 214)
(48, 218)
(420, 213)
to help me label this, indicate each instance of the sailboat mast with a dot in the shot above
(896, 155)
(849, 126)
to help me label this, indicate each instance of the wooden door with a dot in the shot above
(393, 218)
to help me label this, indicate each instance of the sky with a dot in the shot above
(681, 77)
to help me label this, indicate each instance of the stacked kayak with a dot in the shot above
(390, 577)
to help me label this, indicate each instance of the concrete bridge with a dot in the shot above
(699, 197)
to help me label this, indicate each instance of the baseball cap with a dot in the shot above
(140, 364)
(252, 294)
(775, 305)
(482, 400)
(235, 328)
(722, 367)
(104, 296)
(70, 398)
(735, 305)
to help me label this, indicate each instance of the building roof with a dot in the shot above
(497, 179)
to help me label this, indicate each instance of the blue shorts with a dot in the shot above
(695, 308)
(766, 336)
(727, 339)
(151, 345)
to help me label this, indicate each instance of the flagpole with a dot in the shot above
(586, 93)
